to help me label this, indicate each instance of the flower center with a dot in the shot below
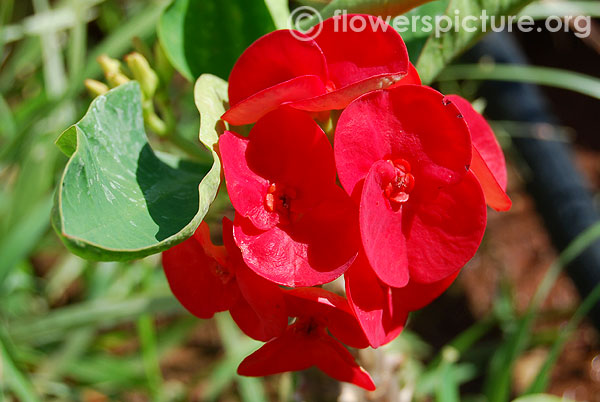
(279, 199)
(309, 326)
(399, 188)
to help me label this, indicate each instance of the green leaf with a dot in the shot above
(441, 50)
(280, 11)
(415, 36)
(119, 200)
(553, 77)
(202, 36)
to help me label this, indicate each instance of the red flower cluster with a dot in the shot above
(416, 170)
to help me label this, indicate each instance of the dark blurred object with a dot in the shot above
(565, 50)
(560, 192)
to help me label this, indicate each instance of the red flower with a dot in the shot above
(294, 225)
(207, 279)
(488, 162)
(315, 75)
(306, 342)
(404, 154)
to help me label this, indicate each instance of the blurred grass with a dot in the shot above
(69, 327)
(58, 310)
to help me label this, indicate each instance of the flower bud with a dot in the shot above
(112, 71)
(116, 79)
(96, 88)
(109, 65)
(143, 73)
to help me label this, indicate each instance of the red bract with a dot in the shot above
(200, 276)
(294, 225)
(488, 162)
(404, 155)
(382, 310)
(306, 342)
(315, 75)
(207, 279)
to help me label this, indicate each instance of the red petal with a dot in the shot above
(273, 59)
(355, 55)
(371, 302)
(488, 162)
(443, 234)
(257, 105)
(292, 351)
(266, 299)
(359, 62)
(341, 98)
(200, 283)
(335, 361)
(260, 312)
(415, 296)
(410, 122)
(296, 350)
(288, 148)
(483, 138)
(327, 306)
(314, 250)
(381, 228)
(495, 196)
(246, 189)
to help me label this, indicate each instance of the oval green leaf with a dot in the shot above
(117, 198)
(201, 36)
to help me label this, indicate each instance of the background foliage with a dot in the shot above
(72, 329)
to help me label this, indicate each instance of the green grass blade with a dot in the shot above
(497, 386)
(24, 237)
(280, 12)
(542, 10)
(251, 389)
(74, 346)
(55, 78)
(100, 313)
(543, 378)
(14, 379)
(467, 338)
(553, 77)
(77, 41)
(8, 129)
(237, 346)
(147, 336)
